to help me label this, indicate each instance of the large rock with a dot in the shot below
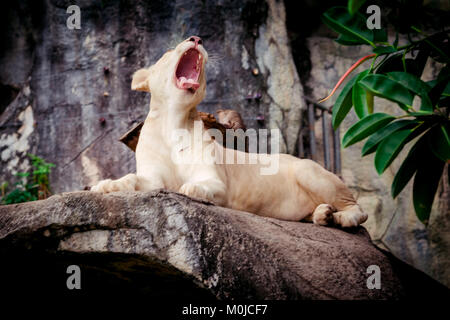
(166, 244)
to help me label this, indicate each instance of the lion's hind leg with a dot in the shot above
(351, 216)
(336, 203)
(126, 183)
(326, 214)
(323, 214)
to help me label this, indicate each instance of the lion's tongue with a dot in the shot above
(188, 83)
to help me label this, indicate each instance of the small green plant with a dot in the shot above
(397, 78)
(31, 186)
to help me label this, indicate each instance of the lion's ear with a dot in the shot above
(140, 80)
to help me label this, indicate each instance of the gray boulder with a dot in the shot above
(164, 244)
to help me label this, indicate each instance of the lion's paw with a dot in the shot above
(349, 218)
(323, 214)
(197, 190)
(104, 186)
(127, 183)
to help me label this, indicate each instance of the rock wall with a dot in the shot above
(72, 87)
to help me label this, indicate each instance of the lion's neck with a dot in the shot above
(170, 116)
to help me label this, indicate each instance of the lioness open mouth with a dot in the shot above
(188, 70)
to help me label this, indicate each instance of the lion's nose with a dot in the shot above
(196, 39)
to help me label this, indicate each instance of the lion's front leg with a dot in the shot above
(126, 183)
(211, 189)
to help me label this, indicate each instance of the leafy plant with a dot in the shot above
(30, 187)
(394, 75)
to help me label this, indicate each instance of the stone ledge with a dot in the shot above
(166, 244)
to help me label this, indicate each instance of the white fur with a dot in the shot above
(301, 189)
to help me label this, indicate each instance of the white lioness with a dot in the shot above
(301, 189)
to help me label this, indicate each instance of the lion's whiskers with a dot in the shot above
(215, 61)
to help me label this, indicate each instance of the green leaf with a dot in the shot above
(343, 103)
(438, 46)
(404, 107)
(395, 44)
(414, 132)
(22, 174)
(365, 127)
(389, 149)
(379, 35)
(422, 113)
(440, 85)
(409, 166)
(349, 41)
(409, 81)
(369, 99)
(387, 88)
(372, 143)
(353, 27)
(425, 186)
(439, 141)
(354, 5)
(420, 61)
(394, 62)
(359, 97)
(431, 83)
(414, 84)
(383, 50)
(447, 90)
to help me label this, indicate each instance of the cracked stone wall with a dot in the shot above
(284, 89)
(66, 93)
